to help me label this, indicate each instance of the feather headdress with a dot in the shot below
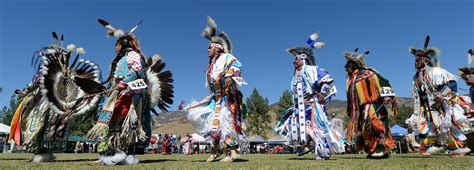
(213, 34)
(306, 53)
(432, 54)
(117, 32)
(357, 58)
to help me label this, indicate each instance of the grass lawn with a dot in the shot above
(260, 161)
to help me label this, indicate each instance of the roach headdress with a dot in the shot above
(306, 53)
(123, 38)
(357, 58)
(432, 54)
(213, 34)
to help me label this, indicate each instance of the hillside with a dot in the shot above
(176, 122)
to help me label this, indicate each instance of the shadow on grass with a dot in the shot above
(238, 160)
(311, 159)
(76, 160)
(420, 156)
(241, 160)
(14, 159)
(156, 161)
(300, 159)
(352, 157)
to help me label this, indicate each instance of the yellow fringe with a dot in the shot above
(362, 90)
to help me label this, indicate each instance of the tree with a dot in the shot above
(82, 124)
(286, 100)
(258, 118)
(404, 112)
(7, 112)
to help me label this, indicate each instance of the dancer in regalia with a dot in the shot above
(136, 85)
(369, 96)
(306, 122)
(467, 75)
(220, 116)
(54, 98)
(438, 117)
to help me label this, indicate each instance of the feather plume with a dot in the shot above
(103, 22)
(312, 39)
(211, 22)
(70, 47)
(427, 42)
(313, 36)
(412, 50)
(134, 28)
(119, 33)
(62, 40)
(161, 91)
(469, 56)
(80, 51)
(319, 45)
(55, 37)
(347, 54)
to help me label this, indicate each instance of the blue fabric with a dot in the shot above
(104, 117)
(451, 84)
(125, 73)
(471, 92)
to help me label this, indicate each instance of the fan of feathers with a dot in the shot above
(69, 86)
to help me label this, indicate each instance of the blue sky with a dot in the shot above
(261, 31)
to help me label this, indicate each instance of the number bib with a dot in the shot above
(387, 92)
(137, 84)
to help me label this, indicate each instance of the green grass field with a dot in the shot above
(261, 161)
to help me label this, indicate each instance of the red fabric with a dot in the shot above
(121, 108)
(165, 146)
(16, 136)
(152, 140)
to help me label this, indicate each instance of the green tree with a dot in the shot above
(258, 118)
(404, 112)
(284, 103)
(82, 124)
(7, 112)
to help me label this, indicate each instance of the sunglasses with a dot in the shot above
(300, 56)
(216, 45)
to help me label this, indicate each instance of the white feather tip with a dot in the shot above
(70, 47)
(319, 45)
(314, 36)
(80, 51)
(119, 33)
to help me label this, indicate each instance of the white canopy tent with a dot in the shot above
(4, 129)
(4, 132)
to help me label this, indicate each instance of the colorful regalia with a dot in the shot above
(467, 74)
(438, 116)
(136, 87)
(306, 122)
(220, 116)
(368, 98)
(53, 99)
